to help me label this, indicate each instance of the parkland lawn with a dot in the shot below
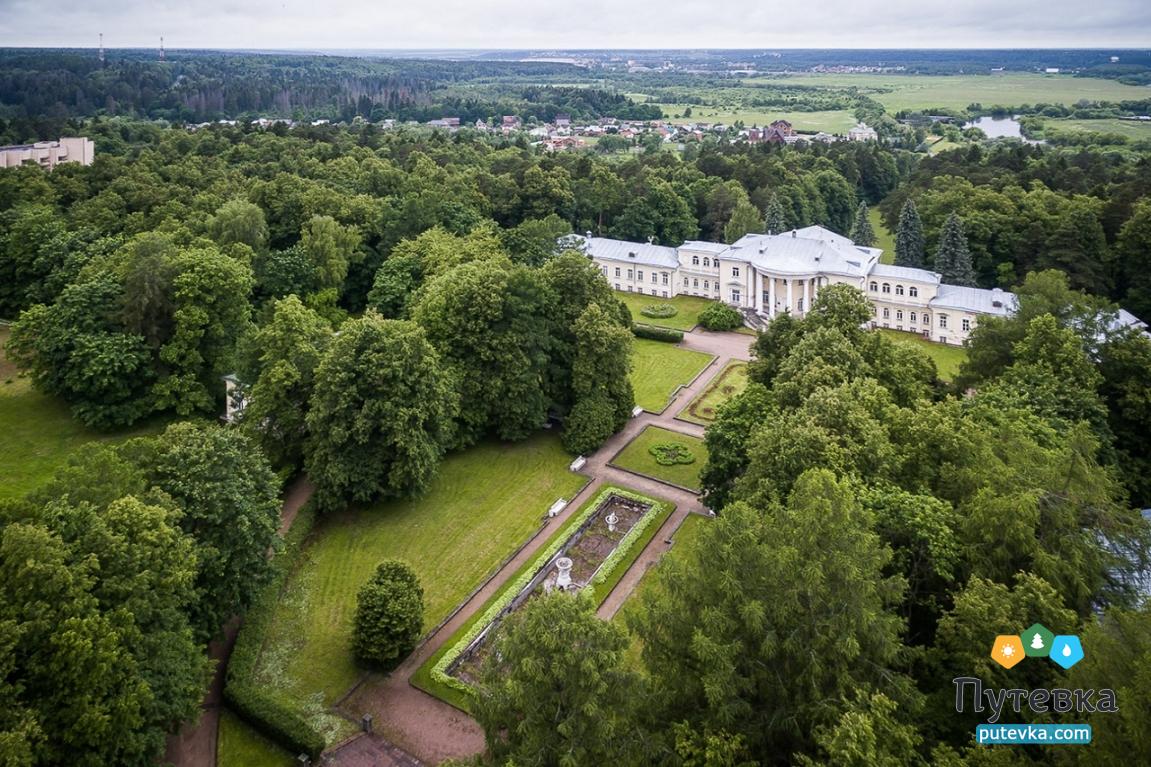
(883, 238)
(947, 357)
(483, 504)
(657, 368)
(38, 432)
(637, 457)
(238, 745)
(730, 382)
(687, 318)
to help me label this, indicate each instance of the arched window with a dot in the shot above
(913, 318)
(886, 288)
(898, 314)
(874, 286)
(926, 318)
(706, 261)
(899, 290)
(886, 313)
(695, 283)
(706, 285)
(695, 260)
(913, 292)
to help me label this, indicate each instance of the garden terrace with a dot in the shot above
(730, 383)
(666, 456)
(658, 369)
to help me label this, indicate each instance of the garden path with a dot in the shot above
(431, 729)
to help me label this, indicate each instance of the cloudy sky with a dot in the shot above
(389, 24)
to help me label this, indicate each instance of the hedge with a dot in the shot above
(659, 311)
(439, 672)
(653, 333)
(267, 710)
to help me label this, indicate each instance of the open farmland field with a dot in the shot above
(1136, 131)
(898, 92)
(831, 121)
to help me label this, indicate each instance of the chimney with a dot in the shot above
(793, 233)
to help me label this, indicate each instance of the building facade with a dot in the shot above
(771, 274)
(49, 154)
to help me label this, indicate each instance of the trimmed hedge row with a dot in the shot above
(659, 311)
(439, 672)
(651, 332)
(268, 711)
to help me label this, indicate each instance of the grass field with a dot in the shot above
(730, 382)
(831, 121)
(947, 358)
(238, 745)
(898, 92)
(658, 368)
(636, 457)
(1136, 131)
(883, 238)
(485, 502)
(689, 308)
(38, 433)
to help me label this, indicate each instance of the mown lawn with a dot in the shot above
(637, 457)
(658, 368)
(38, 433)
(689, 308)
(947, 357)
(485, 502)
(238, 745)
(730, 382)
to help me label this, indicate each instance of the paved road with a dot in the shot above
(433, 730)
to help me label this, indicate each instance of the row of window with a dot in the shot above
(706, 261)
(637, 274)
(640, 290)
(966, 321)
(912, 291)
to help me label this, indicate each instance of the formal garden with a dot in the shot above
(590, 552)
(730, 383)
(658, 369)
(482, 505)
(666, 456)
(685, 315)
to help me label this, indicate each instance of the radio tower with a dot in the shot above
(161, 48)
(101, 49)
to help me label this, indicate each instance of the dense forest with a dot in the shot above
(389, 297)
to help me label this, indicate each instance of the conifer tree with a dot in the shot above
(909, 243)
(775, 220)
(861, 232)
(953, 259)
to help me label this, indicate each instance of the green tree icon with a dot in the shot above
(1037, 641)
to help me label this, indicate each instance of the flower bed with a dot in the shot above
(671, 453)
(439, 679)
(659, 311)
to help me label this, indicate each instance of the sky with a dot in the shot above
(532, 24)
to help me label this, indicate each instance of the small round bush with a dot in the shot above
(389, 615)
(719, 316)
(659, 311)
(671, 453)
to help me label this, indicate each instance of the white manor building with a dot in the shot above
(771, 274)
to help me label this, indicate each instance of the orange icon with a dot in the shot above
(1008, 650)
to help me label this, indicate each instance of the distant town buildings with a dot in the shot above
(49, 154)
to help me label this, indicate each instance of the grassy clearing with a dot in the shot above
(947, 358)
(687, 318)
(830, 121)
(637, 457)
(897, 92)
(883, 238)
(39, 433)
(423, 678)
(658, 368)
(238, 745)
(730, 382)
(1136, 131)
(484, 503)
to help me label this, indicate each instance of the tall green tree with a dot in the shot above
(280, 360)
(600, 382)
(744, 219)
(557, 689)
(332, 248)
(910, 244)
(1133, 247)
(381, 413)
(774, 616)
(953, 259)
(389, 615)
(774, 219)
(862, 232)
(239, 221)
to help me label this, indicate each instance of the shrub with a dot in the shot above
(275, 719)
(671, 453)
(659, 311)
(719, 316)
(389, 615)
(653, 333)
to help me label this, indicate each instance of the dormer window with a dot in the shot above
(631, 254)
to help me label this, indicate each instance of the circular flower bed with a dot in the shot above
(671, 453)
(659, 311)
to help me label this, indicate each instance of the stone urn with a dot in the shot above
(612, 520)
(564, 574)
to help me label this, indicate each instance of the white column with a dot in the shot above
(788, 283)
(807, 295)
(771, 295)
(757, 286)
